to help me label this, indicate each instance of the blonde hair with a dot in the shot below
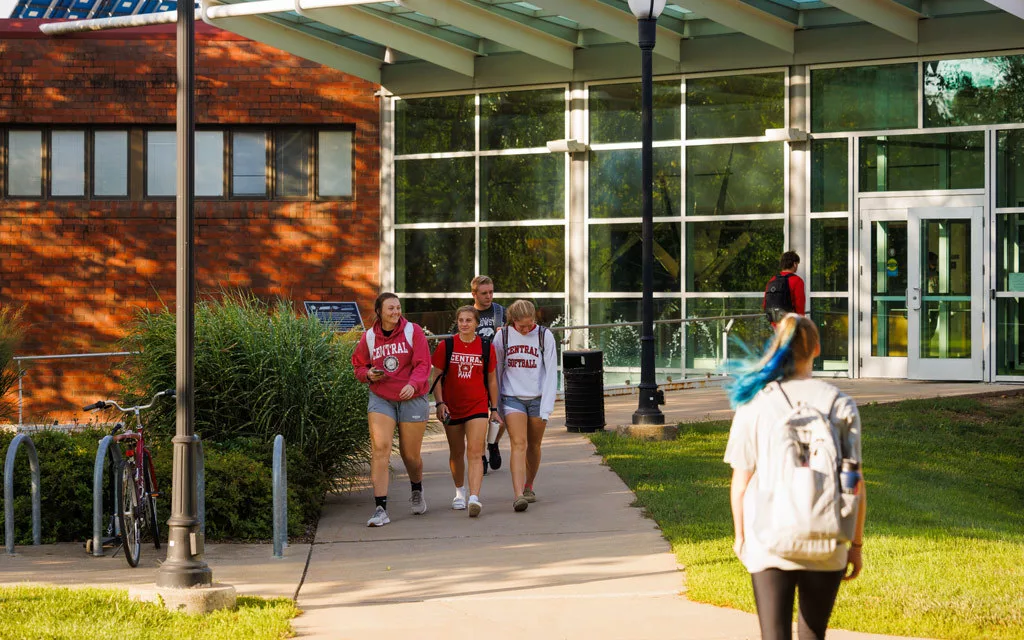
(470, 309)
(520, 310)
(478, 281)
(795, 341)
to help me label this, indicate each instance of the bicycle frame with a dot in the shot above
(141, 453)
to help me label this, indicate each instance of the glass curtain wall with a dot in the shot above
(478, 192)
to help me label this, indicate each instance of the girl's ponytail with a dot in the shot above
(795, 339)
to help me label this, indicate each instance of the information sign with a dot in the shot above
(338, 316)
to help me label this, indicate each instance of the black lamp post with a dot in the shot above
(647, 412)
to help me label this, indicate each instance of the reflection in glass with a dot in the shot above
(833, 320)
(430, 260)
(615, 184)
(829, 175)
(1010, 336)
(735, 178)
(550, 313)
(616, 257)
(889, 288)
(249, 163)
(522, 187)
(334, 163)
(705, 350)
(435, 315)
(521, 119)
(161, 163)
(621, 345)
(110, 163)
(615, 112)
(434, 190)
(1010, 252)
(732, 255)
(829, 254)
(919, 162)
(434, 125)
(735, 106)
(25, 163)
(523, 258)
(973, 91)
(946, 289)
(209, 162)
(864, 98)
(291, 166)
(1010, 168)
(67, 163)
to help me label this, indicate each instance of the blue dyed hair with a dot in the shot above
(795, 339)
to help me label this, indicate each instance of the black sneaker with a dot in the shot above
(495, 454)
(485, 464)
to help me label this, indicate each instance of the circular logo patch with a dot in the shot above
(391, 364)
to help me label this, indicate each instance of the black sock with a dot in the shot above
(417, 486)
(382, 502)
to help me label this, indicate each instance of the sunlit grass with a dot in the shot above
(944, 542)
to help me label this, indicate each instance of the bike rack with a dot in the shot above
(280, 478)
(33, 462)
(97, 491)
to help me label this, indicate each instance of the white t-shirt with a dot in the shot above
(747, 437)
(521, 373)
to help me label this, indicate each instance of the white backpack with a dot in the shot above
(801, 512)
(371, 338)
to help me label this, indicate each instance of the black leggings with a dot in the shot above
(774, 590)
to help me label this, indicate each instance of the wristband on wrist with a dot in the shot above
(494, 409)
(438, 404)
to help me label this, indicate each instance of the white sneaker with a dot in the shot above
(458, 503)
(419, 504)
(379, 519)
(475, 507)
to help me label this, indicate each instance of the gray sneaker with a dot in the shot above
(530, 496)
(379, 519)
(419, 504)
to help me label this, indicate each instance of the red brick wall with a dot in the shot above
(82, 268)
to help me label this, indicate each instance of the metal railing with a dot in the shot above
(33, 462)
(280, 477)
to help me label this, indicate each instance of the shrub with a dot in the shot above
(259, 370)
(12, 333)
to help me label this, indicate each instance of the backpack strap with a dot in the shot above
(410, 330)
(371, 340)
(485, 356)
(541, 329)
(449, 347)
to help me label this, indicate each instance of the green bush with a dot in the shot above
(260, 370)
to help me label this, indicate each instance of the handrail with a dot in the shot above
(33, 461)
(280, 477)
(612, 325)
(21, 372)
(97, 491)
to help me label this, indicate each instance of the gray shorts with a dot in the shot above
(529, 406)
(412, 410)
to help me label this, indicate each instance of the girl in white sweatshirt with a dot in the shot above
(527, 376)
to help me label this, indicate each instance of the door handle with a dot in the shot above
(914, 298)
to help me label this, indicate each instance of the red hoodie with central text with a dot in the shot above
(402, 362)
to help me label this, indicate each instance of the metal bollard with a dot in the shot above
(33, 462)
(97, 491)
(280, 478)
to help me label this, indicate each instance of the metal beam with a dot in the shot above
(367, 25)
(887, 14)
(298, 43)
(606, 18)
(744, 18)
(1013, 7)
(508, 32)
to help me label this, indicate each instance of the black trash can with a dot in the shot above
(583, 372)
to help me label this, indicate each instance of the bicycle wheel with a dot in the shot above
(128, 514)
(151, 520)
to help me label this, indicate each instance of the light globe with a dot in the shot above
(647, 9)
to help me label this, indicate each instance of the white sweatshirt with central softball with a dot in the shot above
(522, 373)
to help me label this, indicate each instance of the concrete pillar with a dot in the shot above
(576, 278)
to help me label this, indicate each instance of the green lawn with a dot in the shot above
(57, 613)
(944, 541)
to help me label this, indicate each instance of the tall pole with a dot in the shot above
(184, 567)
(648, 411)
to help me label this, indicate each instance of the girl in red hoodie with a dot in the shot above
(393, 357)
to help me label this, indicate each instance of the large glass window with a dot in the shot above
(209, 159)
(918, 162)
(110, 164)
(523, 258)
(735, 106)
(829, 254)
(1010, 336)
(25, 163)
(732, 255)
(974, 91)
(615, 183)
(833, 320)
(434, 190)
(616, 257)
(434, 125)
(1010, 252)
(292, 163)
(334, 163)
(1010, 168)
(735, 178)
(67, 163)
(521, 119)
(249, 163)
(161, 163)
(615, 112)
(864, 98)
(521, 187)
(429, 260)
(705, 348)
(830, 175)
(621, 344)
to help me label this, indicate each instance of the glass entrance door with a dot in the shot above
(944, 298)
(883, 283)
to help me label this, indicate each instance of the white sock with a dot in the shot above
(474, 498)
(460, 492)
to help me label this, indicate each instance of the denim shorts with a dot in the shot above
(529, 406)
(411, 410)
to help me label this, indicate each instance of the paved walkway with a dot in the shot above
(580, 563)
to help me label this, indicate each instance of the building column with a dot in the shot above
(387, 202)
(799, 157)
(576, 278)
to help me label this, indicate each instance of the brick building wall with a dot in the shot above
(82, 267)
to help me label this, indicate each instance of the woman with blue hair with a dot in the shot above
(765, 395)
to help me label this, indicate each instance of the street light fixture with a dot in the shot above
(648, 411)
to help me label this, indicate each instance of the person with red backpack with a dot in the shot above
(785, 292)
(466, 397)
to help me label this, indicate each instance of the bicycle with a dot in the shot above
(136, 509)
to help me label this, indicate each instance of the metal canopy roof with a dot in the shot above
(424, 45)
